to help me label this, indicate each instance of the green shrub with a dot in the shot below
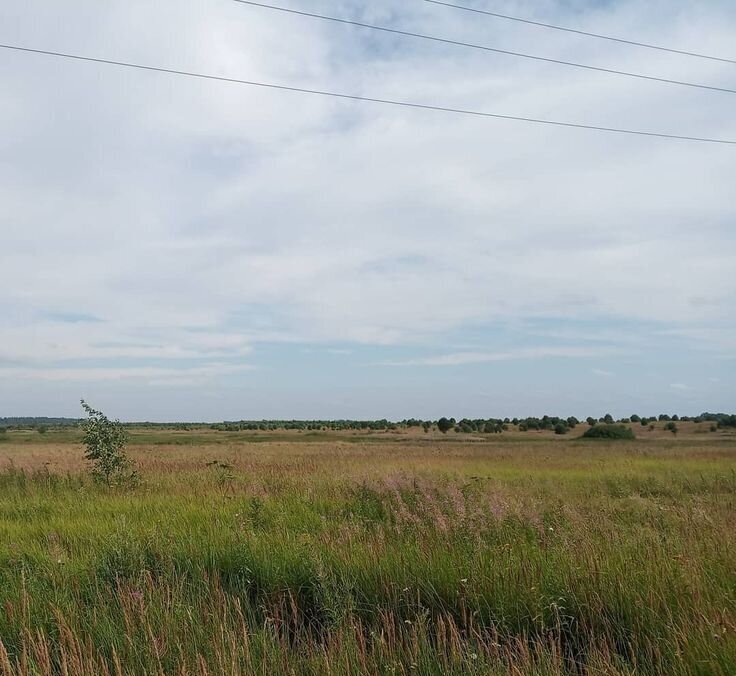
(444, 425)
(105, 442)
(609, 431)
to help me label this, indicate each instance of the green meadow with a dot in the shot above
(383, 554)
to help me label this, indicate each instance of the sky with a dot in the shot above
(180, 249)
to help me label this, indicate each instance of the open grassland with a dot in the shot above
(311, 553)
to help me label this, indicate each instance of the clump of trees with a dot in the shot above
(721, 419)
(481, 426)
(105, 442)
(444, 425)
(609, 431)
(550, 423)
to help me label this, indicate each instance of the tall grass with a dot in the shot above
(559, 558)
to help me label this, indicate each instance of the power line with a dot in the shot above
(364, 99)
(599, 36)
(486, 48)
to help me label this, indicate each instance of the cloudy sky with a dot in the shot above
(184, 249)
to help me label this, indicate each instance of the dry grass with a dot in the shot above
(371, 554)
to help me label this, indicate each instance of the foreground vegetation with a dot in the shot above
(359, 555)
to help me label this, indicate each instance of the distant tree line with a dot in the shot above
(558, 425)
(31, 422)
(306, 425)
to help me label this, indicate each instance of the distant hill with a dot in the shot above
(36, 421)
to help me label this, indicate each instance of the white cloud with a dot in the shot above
(53, 341)
(150, 375)
(201, 220)
(461, 358)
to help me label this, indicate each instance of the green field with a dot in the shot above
(370, 554)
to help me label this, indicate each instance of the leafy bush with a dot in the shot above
(105, 442)
(671, 427)
(444, 425)
(609, 431)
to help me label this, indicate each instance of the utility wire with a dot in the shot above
(365, 99)
(485, 48)
(599, 36)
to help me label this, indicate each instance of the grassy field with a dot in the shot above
(354, 553)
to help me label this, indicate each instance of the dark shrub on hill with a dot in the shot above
(727, 421)
(445, 424)
(609, 432)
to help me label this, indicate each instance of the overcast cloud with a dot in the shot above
(183, 249)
